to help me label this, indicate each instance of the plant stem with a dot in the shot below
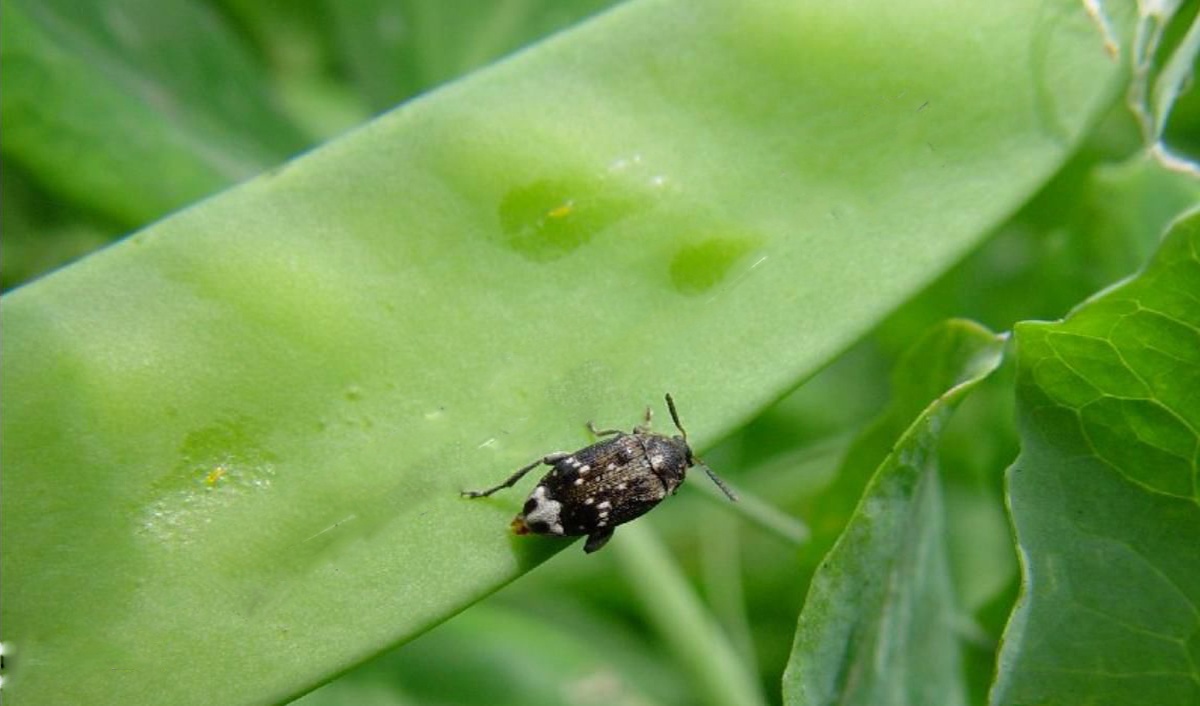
(673, 608)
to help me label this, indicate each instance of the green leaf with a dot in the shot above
(1104, 494)
(927, 369)
(495, 655)
(1131, 204)
(41, 233)
(233, 444)
(879, 623)
(395, 49)
(134, 107)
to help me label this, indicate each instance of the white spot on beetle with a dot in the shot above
(588, 501)
(584, 469)
(611, 467)
(621, 486)
(578, 481)
(546, 511)
(604, 506)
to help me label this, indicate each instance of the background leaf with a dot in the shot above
(878, 625)
(472, 658)
(673, 607)
(104, 100)
(240, 434)
(1104, 495)
(397, 49)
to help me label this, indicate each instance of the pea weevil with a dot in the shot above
(609, 483)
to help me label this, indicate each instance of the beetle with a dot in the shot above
(615, 480)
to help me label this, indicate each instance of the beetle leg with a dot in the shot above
(598, 539)
(602, 432)
(548, 459)
(644, 427)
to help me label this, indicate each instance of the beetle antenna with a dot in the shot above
(715, 478)
(720, 483)
(675, 416)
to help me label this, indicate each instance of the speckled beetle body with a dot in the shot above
(593, 490)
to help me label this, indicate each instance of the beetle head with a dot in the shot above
(681, 443)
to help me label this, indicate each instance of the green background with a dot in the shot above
(233, 441)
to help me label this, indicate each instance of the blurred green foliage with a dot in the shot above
(577, 630)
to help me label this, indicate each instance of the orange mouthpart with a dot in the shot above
(518, 525)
